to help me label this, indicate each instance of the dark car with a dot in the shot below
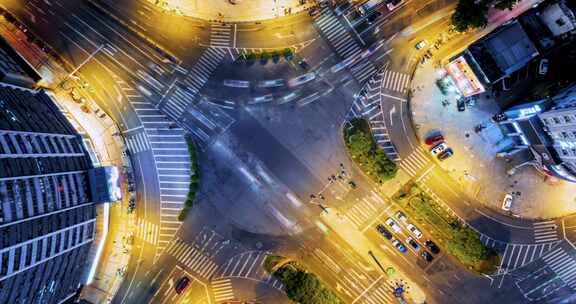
(499, 117)
(182, 284)
(461, 105)
(446, 154)
(374, 16)
(427, 256)
(432, 247)
(383, 231)
(434, 140)
(413, 243)
(399, 246)
(303, 64)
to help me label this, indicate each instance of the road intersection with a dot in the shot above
(263, 160)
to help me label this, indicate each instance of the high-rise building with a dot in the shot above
(47, 211)
(47, 216)
(543, 134)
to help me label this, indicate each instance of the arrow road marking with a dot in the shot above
(392, 111)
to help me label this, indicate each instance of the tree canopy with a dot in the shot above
(469, 15)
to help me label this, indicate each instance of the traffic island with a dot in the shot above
(366, 154)
(194, 179)
(301, 286)
(454, 235)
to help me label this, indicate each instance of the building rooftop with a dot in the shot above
(558, 18)
(510, 47)
(502, 52)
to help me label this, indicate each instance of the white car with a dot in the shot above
(415, 231)
(507, 202)
(439, 148)
(271, 83)
(420, 45)
(236, 83)
(401, 216)
(302, 79)
(390, 222)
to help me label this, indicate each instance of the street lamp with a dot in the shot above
(324, 208)
(81, 64)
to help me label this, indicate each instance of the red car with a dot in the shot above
(182, 284)
(434, 140)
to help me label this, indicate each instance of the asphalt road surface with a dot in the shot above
(267, 149)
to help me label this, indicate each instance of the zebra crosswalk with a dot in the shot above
(222, 290)
(166, 141)
(563, 263)
(395, 81)
(545, 232)
(381, 293)
(175, 104)
(364, 209)
(137, 143)
(516, 255)
(192, 258)
(147, 231)
(367, 105)
(416, 161)
(344, 44)
(220, 34)
(249, 265)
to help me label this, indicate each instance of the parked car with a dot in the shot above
(390, 222)
(499, 117)
(434, 140)
(543, 67)
(401, 216)
(413, 243)
(507, 202)
(439, 148)
(421, 44)
(432, 247)
(384, 232)
(415, 231)
(373, 16)
(392, 4)
(461, 105)
(399, 246)
(181, 285)
(427, 256)
(446, 154)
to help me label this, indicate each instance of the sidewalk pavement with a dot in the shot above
(474, 164)
(114, 225)
(234, 10)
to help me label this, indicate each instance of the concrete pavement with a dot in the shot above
(234, 10)
(475, 166)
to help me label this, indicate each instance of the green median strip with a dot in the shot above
(300, 285)
(194, 179)
(365, 152)
(457, 239)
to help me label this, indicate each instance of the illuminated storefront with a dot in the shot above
(463, 77)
